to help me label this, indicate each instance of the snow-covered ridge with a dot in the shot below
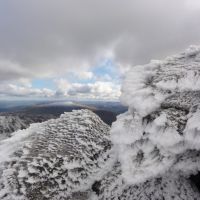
(11, 122)
(54, 159)
(161, 131)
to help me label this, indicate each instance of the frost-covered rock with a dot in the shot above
(168, 187)
(10, 122)
(57, 159)
(160, 133)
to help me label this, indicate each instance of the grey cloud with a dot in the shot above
(79, 89)
(11, 90)
(49, 37)
(10, 70)
(98, 89)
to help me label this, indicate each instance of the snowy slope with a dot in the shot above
(10, 122)
(56, 159)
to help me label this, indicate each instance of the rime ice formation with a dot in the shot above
(57, 159)
(10, 122)
(160, 133)
(167, 187)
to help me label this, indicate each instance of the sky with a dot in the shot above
(75, 49)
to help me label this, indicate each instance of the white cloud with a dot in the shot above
(83, 75)
(96, 90)
(11, 90)
(25, 82)
(62, 87)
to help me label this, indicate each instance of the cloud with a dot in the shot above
(49, 38)
(99, 90)
(79, 89)
(83, 75)
(62, 87)
(10, 70)
(56, 38)
(96, 90)
(11, 90)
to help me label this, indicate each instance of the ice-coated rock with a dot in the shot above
(169, 187)
(160, 133)
(11, 122)
(57, 159)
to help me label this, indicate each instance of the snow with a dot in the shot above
(11, 122)
(135, 91)
(50, 159)
(11, 145)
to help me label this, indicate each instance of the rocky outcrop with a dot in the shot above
(159, 137)
(11, 122)
(57, 159)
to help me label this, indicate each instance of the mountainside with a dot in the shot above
(10, 122)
